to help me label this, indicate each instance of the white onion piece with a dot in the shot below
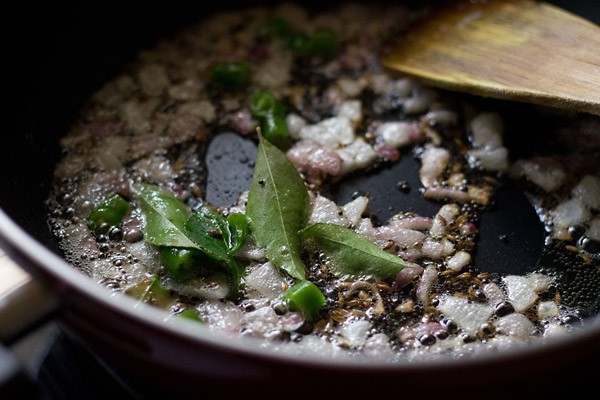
(547, 174)
(156, 168)
(295, 123)
(570, 213)
(366, 229)
(260, 321)
(468, 315)
(420, 100)
(433, 163)
(459, 260)
(189, 89)
(398, 133)
(547, 309)
(331, 133)
(202, 109)
(350, 87)
(137, 116)
(417, 223)
(314, 158)
(359, 154)
(487, 130)
(378, 346)
(266, 280)
(112, 152)
(493, 293)
(444, 193)
(491, 159)
(351, 109)
(251, 251)
(539, 282)
(326, 210)
(522, 290)
(405, 238)
(432, 249)
(401, 88)
(515, 324)
(441, 118)
(214, 288)
(588, 191)
(153, 79)
(407, 275)
(447, 247)
(222, 316)
(355, 332)
(593, 231)
(428, 278)
(275, 71)
(444, 217)
(291, 321)
(555, 330)
(355, 209)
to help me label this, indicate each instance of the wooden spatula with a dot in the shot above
(522, 50)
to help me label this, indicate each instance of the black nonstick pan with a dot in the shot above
(56, 62)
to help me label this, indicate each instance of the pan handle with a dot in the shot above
(24, 305)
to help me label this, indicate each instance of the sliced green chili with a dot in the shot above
(306, 298)
(279, 27)
(190, 314)
(109, 213)
(270, 113)
(231, 75)
(179, 262)
(323, 43)
(264, 103)
(299, 44)
(275, 130)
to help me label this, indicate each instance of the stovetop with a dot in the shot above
(58, 367)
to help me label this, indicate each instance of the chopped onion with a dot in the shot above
(358, 154)
(515, 324)
(570, 213)
(266, 280)
(459, 260)
(354, 209)
(468, 315)
(331, 133)
(588, 191)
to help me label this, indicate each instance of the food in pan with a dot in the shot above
(139, 206)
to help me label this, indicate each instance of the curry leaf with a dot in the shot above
(237, 231)
(351, 254)
(165, 217)
(206, 228)
(278, 207)
(170, 223)
(209, 230)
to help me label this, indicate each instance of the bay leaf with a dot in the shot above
(278, 207)
(351, 254)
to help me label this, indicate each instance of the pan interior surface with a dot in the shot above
(503, 246)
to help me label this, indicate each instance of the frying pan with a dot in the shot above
(57, 58)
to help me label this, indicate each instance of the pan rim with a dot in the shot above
(18, 242)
